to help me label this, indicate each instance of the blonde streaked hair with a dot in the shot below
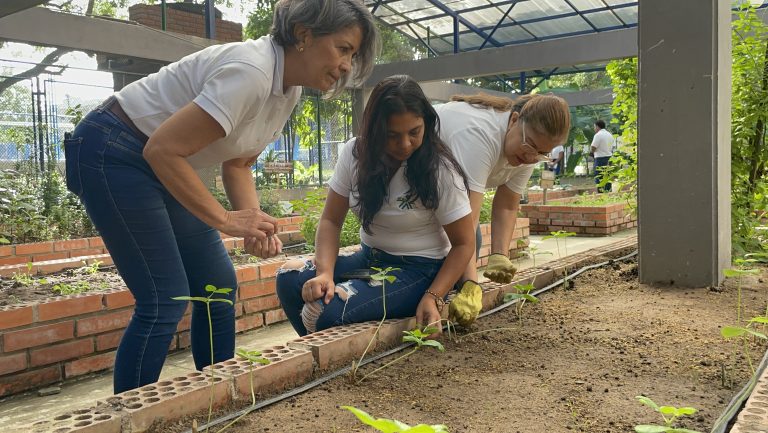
(547, 113)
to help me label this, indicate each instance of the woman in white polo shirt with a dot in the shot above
(498, 142)
(411, 198)
(133, 163)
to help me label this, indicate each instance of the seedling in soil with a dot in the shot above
(738, 331)
(394, 426)
(533, 251)
(419, 338)
(72, 289)
(91, 269)
(383, 276)
(522, 294)
(253, 357)
(564, 235)
(670, 414)
(207, 301)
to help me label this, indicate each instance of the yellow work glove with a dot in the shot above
(465, 306)
(499, 269)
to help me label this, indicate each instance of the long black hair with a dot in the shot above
(399, 94)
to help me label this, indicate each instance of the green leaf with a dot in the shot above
(436, 344)
(732, 331)
(220, 300)
(648, 402)
(759, 319)
(191, 298)
(667, 410)
(4, 240)
(380, 424)
(686, 411)
(650, 428)
(210, 288)
(512, 296)
(531, 298)
(681, 430)
(731, 273)
(757, 334)
(411, 339)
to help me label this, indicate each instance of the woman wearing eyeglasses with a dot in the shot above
(498, 142)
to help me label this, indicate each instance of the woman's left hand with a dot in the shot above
(269, 247)
(427, 315)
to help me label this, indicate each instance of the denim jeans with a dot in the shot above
(159, 248)
(601, 164)
(414, 276)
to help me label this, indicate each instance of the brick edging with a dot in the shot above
(293, 364)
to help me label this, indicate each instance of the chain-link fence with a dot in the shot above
(33, 121)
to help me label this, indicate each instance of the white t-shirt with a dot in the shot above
(555, 153)
(239, 84)
(475, 135)
(603, 143)
(403, 226)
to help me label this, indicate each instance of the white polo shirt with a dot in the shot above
(403, 226)
(603, 143)
(239, 84)
(475, 135)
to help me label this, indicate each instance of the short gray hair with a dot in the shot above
(325, 17)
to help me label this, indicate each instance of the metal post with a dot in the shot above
(210, 20)
(163, 17)
(319, 141)
(40, 132)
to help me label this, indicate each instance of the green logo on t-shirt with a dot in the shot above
(406, 201)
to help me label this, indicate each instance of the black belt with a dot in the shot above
(112, 105)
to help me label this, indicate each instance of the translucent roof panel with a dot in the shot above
(489, 23)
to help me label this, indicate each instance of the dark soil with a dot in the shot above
(576, 364)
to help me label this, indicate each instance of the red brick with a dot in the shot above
(87, 252)
(268, 270)
(89, 365)
(120, 299)
(261, 304)
(37, 336)
(185, 323)
(107, 341)
(14, 260)
(36, 248)
(68, 307)
(60, 352)
(184, 340)
(13, 363)
(23, 381)
(95, 242)
(274, 316)
(74, 244)
(261, 288)
(14, 317)
(103, 323)
(6, 250)
(247, 323)
(50, 256)
(246, 273)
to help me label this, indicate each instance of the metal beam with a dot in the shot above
(442, 92)
(576, 50)
(8, 7)
(97, 35)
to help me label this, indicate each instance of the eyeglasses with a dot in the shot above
(531, 153)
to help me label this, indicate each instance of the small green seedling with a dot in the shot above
(394, 426)
(564, 235)
(253, 357)
(743, 333)
(670, 414)
(23, 279)
(212, 290)
(419, 338)
(71, 289)
(533, 251)
(522, 294)
(383, 276)
(91, 269)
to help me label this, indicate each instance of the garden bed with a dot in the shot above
(593, 215)
(576, 364)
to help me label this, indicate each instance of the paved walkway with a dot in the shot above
(25, 409)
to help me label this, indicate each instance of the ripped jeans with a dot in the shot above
(364, 298)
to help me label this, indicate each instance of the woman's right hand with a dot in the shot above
(321, 286)
(249, 223)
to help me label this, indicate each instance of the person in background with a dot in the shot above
(498, 142)
(133, 161)
(602, 150)
(556, 159)
(411, 198)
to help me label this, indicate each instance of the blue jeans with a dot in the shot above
(402, 297)
(601, 164)
(159, 248)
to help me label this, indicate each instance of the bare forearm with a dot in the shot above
(452, 269)
(503, 223)
(327, 246)
(185, 185)
(241, 191)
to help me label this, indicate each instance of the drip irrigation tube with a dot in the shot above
(323, 379)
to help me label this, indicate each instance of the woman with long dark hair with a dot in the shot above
(411, 198)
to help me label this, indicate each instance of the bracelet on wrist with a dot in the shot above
(439, 302)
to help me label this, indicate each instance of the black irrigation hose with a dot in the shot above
(295, 391)
(323, 379)
(738, 400)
